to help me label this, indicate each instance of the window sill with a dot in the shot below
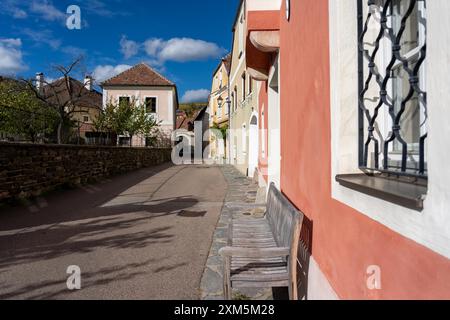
(399, 191)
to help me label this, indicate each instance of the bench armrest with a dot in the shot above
(258, 253)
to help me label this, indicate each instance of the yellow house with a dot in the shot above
(244, 121)
(218, 107)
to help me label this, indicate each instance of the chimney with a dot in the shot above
(88, 83)
(40, 81)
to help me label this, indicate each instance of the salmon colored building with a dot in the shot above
(378, 223)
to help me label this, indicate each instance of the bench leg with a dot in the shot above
(293, 291)
(227, 290)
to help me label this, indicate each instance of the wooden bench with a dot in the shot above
(262, 252)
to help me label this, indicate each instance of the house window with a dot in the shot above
(124, 100)
(241, 34)
(219, 110)
(232, 101)
(235, 99)
(85, 119)
(150, 105)
(244, 86)
(244, 138)
(392, 87)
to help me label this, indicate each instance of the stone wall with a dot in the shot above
(28, 170)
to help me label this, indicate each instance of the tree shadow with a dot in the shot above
(75, 204)
(68, 223)
(85, 236)
(57, 288)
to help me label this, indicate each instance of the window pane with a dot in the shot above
(410, 120)
(410, 38)
(243, 86)
(377, 114)
(124, 100)
(150, 105)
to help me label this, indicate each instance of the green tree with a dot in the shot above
(220, 133)
(140, 122)
(126, 119)
(21, 113)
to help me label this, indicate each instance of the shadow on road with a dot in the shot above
(71, 205)
(145, 234)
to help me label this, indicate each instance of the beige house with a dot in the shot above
(218, 107)
(243, 140)
(87, 104)
(146, 87)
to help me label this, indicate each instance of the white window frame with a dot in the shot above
(157, 104)
(124, 96)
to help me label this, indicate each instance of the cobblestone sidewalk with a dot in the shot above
(241, 199)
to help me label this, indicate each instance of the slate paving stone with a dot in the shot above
(240, 201)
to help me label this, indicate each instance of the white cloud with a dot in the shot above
(74, 51)
(128, 48)
(43, 36)
(153, 46)
(200, 95)
(186, 49)
(19, 13)
(101, 8)
(12, 7)
(12, 42)
(175, 49)
(47, 10)
(11, 57)
(102, 73)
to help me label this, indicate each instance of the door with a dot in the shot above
(274, 128)
(253, 146)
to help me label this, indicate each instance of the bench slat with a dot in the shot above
(259, 284)
(256, 276)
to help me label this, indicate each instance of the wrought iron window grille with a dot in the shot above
(392, 109)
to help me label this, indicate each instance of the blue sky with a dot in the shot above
(182, 39)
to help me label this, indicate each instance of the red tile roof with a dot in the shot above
(58, 92)
(139, 75)
(187, 123)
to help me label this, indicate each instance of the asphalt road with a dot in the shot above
(144, 235)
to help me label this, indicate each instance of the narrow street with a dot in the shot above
(143, 235)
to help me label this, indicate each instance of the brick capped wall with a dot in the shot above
(28, 170)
